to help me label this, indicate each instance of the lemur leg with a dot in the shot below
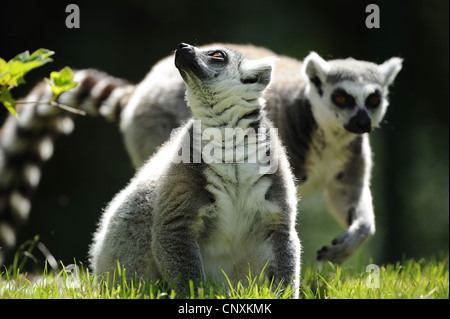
(284, 265)
(178, 256)
(353, 209)
(178, 223)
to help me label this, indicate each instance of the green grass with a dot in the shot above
(409, 279)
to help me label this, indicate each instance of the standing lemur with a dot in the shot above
(324, 111)
(199, 217)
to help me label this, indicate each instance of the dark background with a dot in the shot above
(125, 38)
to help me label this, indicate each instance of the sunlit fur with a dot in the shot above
(193, 220)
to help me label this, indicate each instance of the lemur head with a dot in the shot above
(217, 73)
(349, 93)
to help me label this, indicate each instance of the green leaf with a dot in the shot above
(7, 100)
(16, 73)
(4, 72)
(12, 72)
(3, 67)
(35, 60)
(41, 55)
(61, 81)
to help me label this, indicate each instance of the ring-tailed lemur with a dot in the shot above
(321, 109)
(196, 218)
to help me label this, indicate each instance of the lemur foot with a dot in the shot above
(345, 245)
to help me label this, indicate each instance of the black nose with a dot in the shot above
(182, 45)
(360, 123)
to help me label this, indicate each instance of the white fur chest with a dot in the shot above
(241, 214)
(327, 156)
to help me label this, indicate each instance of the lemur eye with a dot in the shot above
(342, 99)
(373, 100)
(218, 55)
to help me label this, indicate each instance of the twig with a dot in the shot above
(53, 103)
(68, 108)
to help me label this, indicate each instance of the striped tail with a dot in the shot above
(26, 144)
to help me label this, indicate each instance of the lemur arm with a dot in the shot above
(349, 200)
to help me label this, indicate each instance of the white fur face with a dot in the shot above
(349, 94)
(216, 74)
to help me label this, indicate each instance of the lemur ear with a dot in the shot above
(315, 67)
(390, 69)
(257, 71)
